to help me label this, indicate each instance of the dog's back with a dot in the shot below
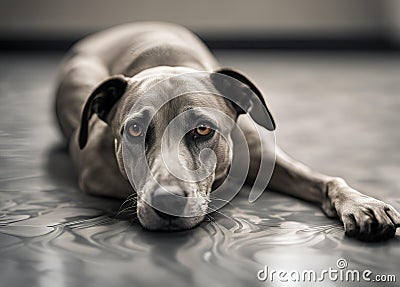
(126, 49)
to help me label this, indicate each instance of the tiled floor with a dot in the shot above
(339, 113)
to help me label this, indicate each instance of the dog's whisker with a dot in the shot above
(126, 209)
(129, 200)
(125, 202)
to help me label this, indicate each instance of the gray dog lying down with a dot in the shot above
(99, 83)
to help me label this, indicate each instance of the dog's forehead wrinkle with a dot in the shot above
(167, 81)
(188, 110)
(143, 114)
(175, 78)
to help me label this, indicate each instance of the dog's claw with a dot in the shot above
(366, 218)
(394, 216)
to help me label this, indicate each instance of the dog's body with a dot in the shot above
(144, 53)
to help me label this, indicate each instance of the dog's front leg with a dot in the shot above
(364, 217)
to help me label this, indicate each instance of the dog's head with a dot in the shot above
(172, 128)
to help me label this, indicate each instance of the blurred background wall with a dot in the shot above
(217, 20)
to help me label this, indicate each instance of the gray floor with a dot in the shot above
(339, 113)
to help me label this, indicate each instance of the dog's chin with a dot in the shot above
(149, 219)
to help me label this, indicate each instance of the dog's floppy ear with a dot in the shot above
(100, 102)
(244, 95)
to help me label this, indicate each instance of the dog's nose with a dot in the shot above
(169, 202)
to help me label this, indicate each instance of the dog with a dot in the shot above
(103, 78)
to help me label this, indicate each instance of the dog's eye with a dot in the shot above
(203, 130)
(135, 130)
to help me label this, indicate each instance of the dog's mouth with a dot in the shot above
(170, 209)
(155, 220)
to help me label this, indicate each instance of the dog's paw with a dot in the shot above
(366, 218)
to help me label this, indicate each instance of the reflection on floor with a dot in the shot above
(338, 113)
